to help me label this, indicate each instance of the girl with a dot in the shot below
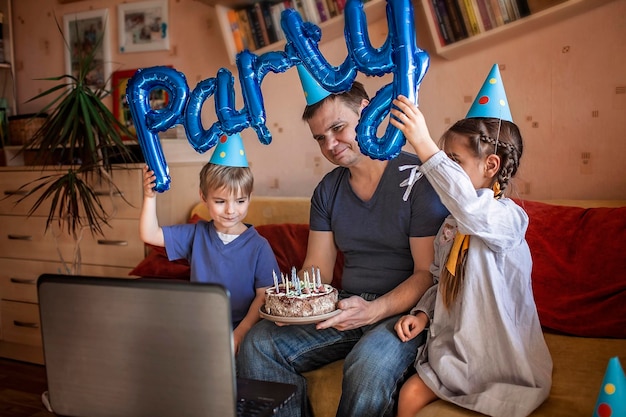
(485, 350)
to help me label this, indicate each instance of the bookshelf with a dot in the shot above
(542, 13)
(332, 28)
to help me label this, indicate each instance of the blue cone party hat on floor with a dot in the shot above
(313, 91)
(229, 151)
(491, 99)
(612, 398)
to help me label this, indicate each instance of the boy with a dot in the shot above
(223, 250)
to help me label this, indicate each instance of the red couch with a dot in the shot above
(579, 284)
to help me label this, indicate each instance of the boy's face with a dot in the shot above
(227, 209)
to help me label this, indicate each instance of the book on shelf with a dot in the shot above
(497, 14)
(468, 10)
(484, 15)
(310, 9)
(341, 4)
(231, 32)
(261, 36)
(511, 9)
(246, 30)
(269, 22)
(322, 10)
(443, 21)
(276, 10)
(456, 19)
(332, 8)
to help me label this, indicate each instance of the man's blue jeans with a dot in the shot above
(376, 363)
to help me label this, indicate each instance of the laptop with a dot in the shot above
(127, 348)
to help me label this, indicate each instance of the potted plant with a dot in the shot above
(83, 135)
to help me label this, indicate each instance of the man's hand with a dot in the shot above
(355, 312)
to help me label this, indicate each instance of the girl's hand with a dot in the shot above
(410, 121)
(148, 182)
(409, 326)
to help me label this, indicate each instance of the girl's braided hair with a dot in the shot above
(487, 136)
(492, 136)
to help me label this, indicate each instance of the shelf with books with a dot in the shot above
(256, 26)
(493, 21)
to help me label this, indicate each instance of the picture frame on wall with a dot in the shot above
(143, 26)
(84, 31)
(121, 110)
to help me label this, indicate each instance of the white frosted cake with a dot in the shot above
(300, 298)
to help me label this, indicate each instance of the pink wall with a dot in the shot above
(552, 93)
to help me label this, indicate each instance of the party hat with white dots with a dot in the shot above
(612, 398)
(313, 91)
(229, 151)
(491, 99)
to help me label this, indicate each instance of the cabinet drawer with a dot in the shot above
(18, 278)
(18, 287)
(120, 245)
(10, 192)
(124, 201)
(24, 238)
(20, 323)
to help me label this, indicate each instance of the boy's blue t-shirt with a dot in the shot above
(241, 266)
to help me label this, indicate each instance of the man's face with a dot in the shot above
(333, 127)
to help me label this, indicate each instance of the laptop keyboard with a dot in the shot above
(252, 408)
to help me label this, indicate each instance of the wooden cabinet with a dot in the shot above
(27, 251)
(542, 14)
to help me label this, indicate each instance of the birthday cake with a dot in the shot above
(295, 297)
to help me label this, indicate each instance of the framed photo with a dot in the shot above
(121, 109)
(143, 26)
(84, 32)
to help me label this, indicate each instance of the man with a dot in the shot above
(386, 235)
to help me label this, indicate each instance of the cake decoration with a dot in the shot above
(295, 297)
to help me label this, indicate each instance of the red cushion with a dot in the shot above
(156, 265)
(579, 268)
(289, 243)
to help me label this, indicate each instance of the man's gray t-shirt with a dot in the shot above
(374, 235)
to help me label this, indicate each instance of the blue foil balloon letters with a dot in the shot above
(399, 55)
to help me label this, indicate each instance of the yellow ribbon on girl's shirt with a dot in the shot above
(461, 241)
(460, 245)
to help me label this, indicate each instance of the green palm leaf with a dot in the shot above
(86, 134)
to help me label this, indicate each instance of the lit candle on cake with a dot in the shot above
(275, 281)
(295, 281)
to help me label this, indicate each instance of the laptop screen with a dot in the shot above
(117, 347)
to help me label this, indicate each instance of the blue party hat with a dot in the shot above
(313, 91)
(230, 152)
(612, 398)
(491, 99)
